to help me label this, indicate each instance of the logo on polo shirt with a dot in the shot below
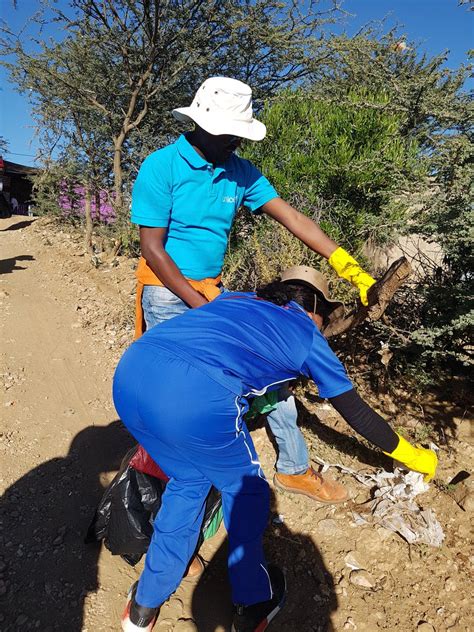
(229, 199)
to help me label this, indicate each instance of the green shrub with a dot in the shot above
(343, 166)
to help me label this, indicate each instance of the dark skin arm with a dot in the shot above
(152, 247)
(300, 226)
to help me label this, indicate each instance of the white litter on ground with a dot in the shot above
(393, 506)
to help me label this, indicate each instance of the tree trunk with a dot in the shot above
(118, 177)
(88, 217)
(97, 205)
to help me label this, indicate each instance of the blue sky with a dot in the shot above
(437, 25)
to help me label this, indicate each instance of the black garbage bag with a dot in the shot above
(124, 517)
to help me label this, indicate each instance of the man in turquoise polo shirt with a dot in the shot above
(184, 200)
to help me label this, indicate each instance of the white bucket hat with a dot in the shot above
(223, 106)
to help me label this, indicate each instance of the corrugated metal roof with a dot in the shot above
(10, 168)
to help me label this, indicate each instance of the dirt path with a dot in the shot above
(64, 324)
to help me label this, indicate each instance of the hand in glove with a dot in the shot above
(415, 458)
(348, 268)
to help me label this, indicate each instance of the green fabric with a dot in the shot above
(263, 405)
(214, 525)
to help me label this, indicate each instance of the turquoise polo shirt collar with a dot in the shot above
(187, 151)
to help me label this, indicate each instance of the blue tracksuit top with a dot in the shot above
(250, 345)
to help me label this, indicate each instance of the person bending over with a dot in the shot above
(182, 390)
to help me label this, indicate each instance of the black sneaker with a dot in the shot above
(138, 618)
(256, 618)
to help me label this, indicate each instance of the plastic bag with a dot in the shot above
(262, 405)
(143, 462)
(124, 517)
(393, 505)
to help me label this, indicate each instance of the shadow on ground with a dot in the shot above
(47, 569)
(9, 265)
(322, 433)
(18, 225)
(310, 600)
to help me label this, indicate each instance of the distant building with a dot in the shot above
(15, 184)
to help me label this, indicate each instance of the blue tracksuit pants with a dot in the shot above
(193, 427)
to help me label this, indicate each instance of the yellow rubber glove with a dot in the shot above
(348, 268)
(415, 458)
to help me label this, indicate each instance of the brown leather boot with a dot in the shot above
(312, 484)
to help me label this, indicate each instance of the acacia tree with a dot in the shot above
(128, 61)
(435, 111)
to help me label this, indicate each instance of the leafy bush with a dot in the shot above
(342, 165)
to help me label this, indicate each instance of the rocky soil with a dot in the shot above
(65, 321)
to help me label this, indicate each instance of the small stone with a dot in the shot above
(451, 620)
(463, 494)
(467, 503)
(362, 497)
(464, 429)
(464, 530)
(328, 526)
(362, 579)
(350, 624)
(424, 626)
(450, 585)
(353, 561)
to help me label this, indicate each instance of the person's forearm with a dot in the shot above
(373, 427)
(311, 235)
(301, 227)
(169, 274)
(365, 420)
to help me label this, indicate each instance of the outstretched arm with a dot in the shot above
(365, 420)
(332, 381)
(375, 429)
(311, 234)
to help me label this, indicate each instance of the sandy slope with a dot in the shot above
(63, 326)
